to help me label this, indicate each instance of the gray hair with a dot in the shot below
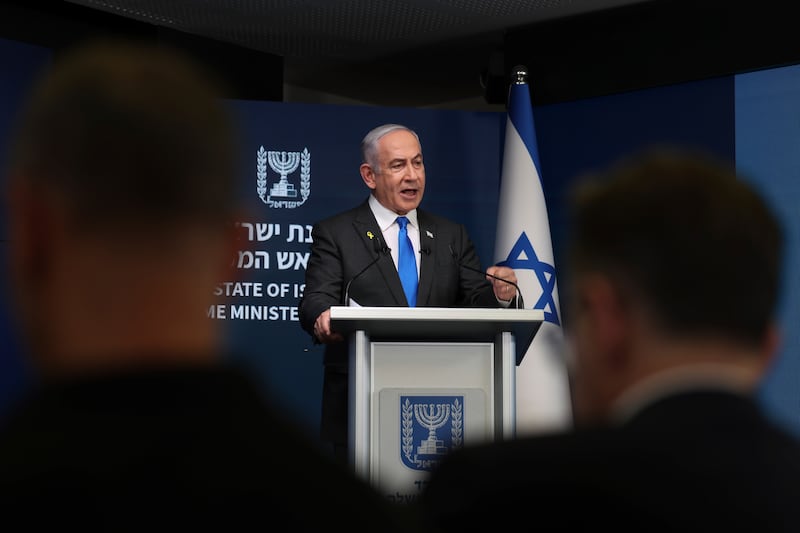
(369, 145)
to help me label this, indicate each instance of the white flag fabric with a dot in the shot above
(523, 243)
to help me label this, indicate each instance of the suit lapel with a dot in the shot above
(365, 224)
(427, 241)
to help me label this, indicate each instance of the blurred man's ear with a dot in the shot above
(770, 346)
(32, 227)
(236, 239)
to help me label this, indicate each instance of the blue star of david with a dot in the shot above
(523, 256)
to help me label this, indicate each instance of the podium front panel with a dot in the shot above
(426, 398)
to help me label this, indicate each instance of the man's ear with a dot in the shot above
(368, 175)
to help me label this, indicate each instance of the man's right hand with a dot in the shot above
(322, 329)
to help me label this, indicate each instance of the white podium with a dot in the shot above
(426, 380)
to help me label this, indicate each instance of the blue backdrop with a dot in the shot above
(745, 118)
(767, 137)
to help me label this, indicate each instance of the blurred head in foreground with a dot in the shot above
(674, 266)
(120, 201)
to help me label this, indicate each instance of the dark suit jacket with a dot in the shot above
(701, 461)
(343, 246)
(182, 449)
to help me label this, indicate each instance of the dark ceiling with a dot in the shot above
(434, 53)
(383, 52)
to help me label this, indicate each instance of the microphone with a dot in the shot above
(462, 265)
(381, 249)
(426, 251)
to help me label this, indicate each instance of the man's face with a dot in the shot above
(585, 369)
(597, 346)
(399, 181)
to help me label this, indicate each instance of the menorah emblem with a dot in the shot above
(283, 194)
(421, 416)
(432, 417)
(284, 163)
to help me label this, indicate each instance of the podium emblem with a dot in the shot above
(430, 427)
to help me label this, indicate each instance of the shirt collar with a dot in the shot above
(706, 376)
(386, 217)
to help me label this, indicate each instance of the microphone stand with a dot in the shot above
(462, 265)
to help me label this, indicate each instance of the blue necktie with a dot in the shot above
(406, 263)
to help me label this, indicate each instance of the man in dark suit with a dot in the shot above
(121, 211)
(446, 264)
(674, 274)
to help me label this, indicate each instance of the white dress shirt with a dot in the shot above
(387, 221)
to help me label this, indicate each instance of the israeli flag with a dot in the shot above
(523, 243)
